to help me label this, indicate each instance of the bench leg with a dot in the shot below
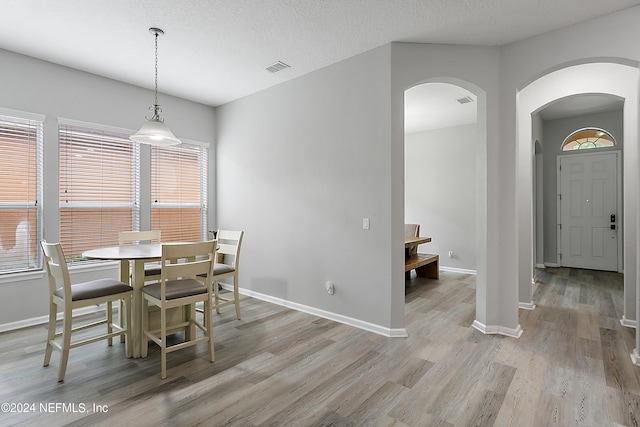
(430, 271)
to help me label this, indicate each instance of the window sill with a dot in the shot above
(22, 277)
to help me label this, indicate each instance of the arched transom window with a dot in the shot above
(587, 138)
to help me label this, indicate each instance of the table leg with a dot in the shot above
(124, 277)
(137, 282)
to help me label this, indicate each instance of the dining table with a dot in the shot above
(410, 241)
(135, 256)
(425, 265)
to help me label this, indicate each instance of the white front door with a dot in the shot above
(588, 210)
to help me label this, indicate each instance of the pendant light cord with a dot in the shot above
(156, 103)
(155, 108)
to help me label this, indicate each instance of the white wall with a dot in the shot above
(35, 86)
(299, 167)
(440, 192)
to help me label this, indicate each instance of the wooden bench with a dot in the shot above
(426, 265)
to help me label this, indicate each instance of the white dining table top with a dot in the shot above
(142, 251)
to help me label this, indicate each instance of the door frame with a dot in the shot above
(619, 204)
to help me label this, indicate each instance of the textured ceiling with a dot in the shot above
(215, 51)
(435, 105)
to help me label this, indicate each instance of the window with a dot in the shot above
(21, 195)
(99, 188)
(588, 138)
(179, 192)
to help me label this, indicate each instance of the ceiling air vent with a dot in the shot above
(465, 100)
(278, 66)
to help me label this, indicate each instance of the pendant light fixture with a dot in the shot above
(154, 131)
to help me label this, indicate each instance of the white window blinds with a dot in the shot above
(179, 192)
(20, 194)
(99, 188)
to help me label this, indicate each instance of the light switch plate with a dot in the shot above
(365, 223)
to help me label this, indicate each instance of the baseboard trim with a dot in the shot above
(498, 330)
(635, 357)
(458, 270)
(526, 305)
(551, 264)
(628, 323)
(377, 329)
(41, 320)
(540, 266)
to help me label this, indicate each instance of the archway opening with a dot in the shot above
(470, 132)
(610, 79)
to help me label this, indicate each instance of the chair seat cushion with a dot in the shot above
(222, 269)
(95, 289)
(176, 288)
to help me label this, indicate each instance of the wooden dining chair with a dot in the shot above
(68, 297)
(178, 287)
(151, 269)
(229, 243)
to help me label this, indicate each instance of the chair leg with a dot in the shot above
(208, 321)
(109, 322)
(121, 317)
(215, 296)
(125, 310)
(144, 351)
(66, 343)
(51, 334)
(236, 297)
(163, 341)
(188, 315)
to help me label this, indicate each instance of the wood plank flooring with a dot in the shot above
(279, 367)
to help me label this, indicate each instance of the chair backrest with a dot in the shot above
(57, 270)
(136, 237)
(188, 260)
(229, 245)
(412, 230)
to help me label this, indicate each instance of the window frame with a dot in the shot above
(573, 137)
(34, 123)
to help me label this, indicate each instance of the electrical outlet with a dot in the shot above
(450, 254)
(330, 288)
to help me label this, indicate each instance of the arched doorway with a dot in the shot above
(600, 78)
(484, 305)
(440, 162)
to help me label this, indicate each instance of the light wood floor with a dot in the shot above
(279, 367)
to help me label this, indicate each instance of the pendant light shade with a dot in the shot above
(154, 131)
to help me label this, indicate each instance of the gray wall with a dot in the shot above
(299, 167)
(440, 192)
(35, 86)
(536, 137)
(476, 69)
(555, 132)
